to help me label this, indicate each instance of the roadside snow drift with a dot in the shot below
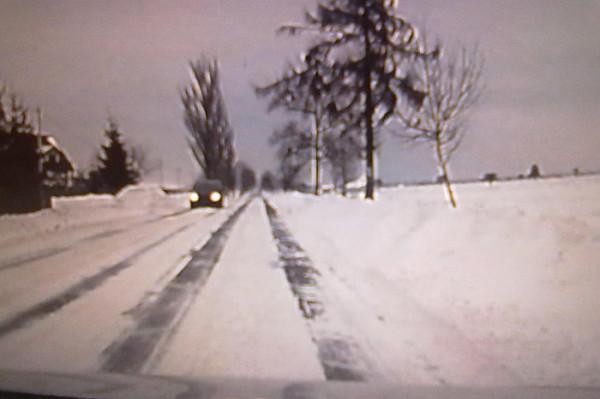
(514, 270)
(140, 201)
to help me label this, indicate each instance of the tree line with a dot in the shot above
(22, 162)
(116, 163)
(33, 167)
(367, 69)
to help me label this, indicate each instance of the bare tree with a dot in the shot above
(268, 182)
(343, 151)
(294, 145)
(534, 172)
(490, 177)
(450, 85)
(210, 137)
(367, 44)
(305, 90)
(247, 179)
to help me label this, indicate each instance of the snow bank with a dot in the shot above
(143, 201)
(515, 268)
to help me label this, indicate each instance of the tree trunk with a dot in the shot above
(369, 111)
(317, 155)
(444, 167)
(370, 164)
(344, 181)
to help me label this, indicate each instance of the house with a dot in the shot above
(22, 187)
(58, 169)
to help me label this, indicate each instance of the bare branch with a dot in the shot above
(362, 48)
(294, 144)
(451, 86)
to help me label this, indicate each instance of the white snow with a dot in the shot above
(245, 322)
(503, 289)
(73, 338)
(134, 203)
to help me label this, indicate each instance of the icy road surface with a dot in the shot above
(258, 291)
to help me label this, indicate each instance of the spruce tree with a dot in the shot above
(116, 168)
(19, 158)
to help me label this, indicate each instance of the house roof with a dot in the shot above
(28, 142)
(50, 144)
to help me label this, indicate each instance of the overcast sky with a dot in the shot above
(80, 60)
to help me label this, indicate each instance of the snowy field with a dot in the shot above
(501, 291)
(514, 272)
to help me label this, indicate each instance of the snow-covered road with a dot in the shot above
(59, 311)
(248, 291)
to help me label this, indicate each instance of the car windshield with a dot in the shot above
(369, 191)
(206, 186)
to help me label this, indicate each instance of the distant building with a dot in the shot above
(58, 169)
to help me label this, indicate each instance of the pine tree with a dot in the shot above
(116, 168)
(14, 117)
(21, 182)
(19, 157)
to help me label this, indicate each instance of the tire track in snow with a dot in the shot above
(76, 291)
(21, 260)
(49, 252)
(52, 251)
(340, 354)
(155, 320)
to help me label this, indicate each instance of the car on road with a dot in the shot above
(207, 193)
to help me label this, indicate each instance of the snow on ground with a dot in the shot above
(245, 322)
(134, 202)
(513, 272)
(72, 338)
(501, 291)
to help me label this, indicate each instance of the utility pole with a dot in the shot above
(39, 138)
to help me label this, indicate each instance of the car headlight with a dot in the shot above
(214, 196)
(194, 197)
